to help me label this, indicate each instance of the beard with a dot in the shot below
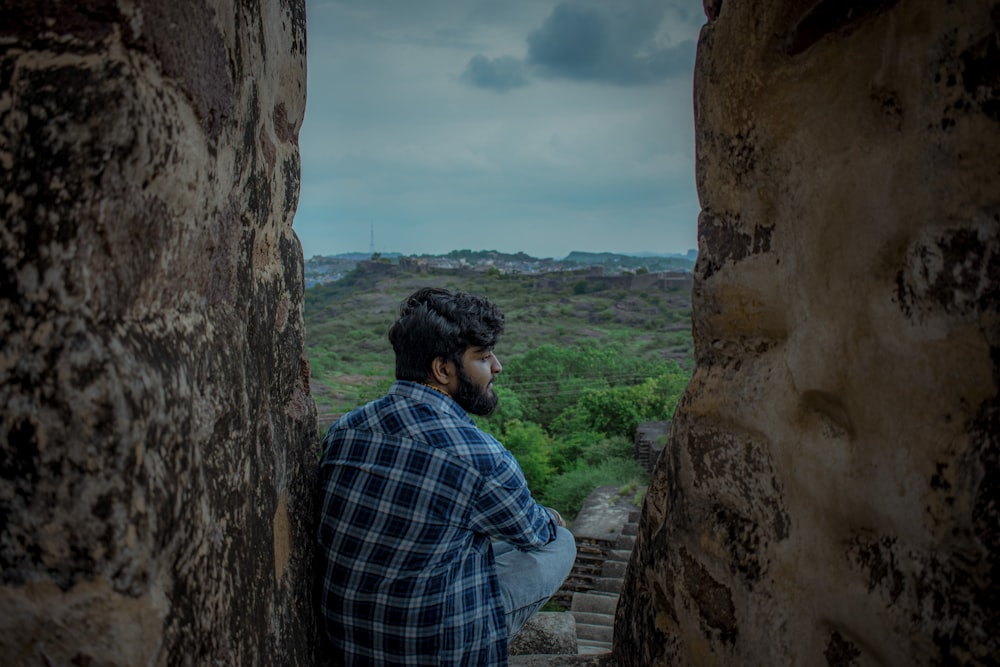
(481, 401)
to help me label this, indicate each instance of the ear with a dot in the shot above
(443, 371)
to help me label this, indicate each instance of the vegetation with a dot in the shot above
(648, 263)
(585, 362)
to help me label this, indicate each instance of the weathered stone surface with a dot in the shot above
(602, 515)
(598, 660)
(547, 632)
(158, 437)
(829, 493)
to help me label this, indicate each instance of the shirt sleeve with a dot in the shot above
(504, 508)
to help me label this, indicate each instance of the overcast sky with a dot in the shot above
(512, 125)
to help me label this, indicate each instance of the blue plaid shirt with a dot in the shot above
(412, 493)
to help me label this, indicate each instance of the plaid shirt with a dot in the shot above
(412, 493)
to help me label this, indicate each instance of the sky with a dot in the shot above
(519, 126)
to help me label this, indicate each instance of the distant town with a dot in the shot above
(322, 269)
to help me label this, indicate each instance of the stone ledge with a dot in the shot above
(548, 633)
(596, 660)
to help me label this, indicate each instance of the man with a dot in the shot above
(432, 550)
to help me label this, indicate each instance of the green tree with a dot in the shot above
(550, 379)
(530, 446)
(620, 410)
(616, 409)
(509, 408)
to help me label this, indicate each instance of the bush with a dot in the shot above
(620, 410)
(508, 409)
(568, 491)
(530, 446)
(550, 378)
(583, 446)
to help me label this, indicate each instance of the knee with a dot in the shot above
(567, 538)
(567, 548)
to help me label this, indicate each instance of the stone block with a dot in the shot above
(547, 632)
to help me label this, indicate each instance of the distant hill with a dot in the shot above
(320, 270)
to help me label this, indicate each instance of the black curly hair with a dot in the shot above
(434, 322)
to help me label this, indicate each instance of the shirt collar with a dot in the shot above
(425, 394)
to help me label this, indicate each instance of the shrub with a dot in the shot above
(568, 491)
(530, 446)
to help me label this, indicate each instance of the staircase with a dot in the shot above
(594, 608)
(605, 531)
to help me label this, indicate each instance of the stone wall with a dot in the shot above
(158, 436)
(829, 493)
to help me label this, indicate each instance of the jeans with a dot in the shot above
(529, 578)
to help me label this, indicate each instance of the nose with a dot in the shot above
(496, 367)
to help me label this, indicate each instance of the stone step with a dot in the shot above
(614, 568)
(620, 555)
(595, 602)
(633, 516)
(625, 542)
(586, 565)
(599, 632)
(593, 618)
(630, 529)
(591, 647)
(608, 584)
(590, 551)
(586, 559)
(580, 582)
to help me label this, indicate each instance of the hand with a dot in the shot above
(557, 517)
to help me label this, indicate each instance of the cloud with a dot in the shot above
(571, 40)
(500, 74)
(624, 44)
(600, 43)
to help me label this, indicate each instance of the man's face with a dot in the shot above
(475, 381)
